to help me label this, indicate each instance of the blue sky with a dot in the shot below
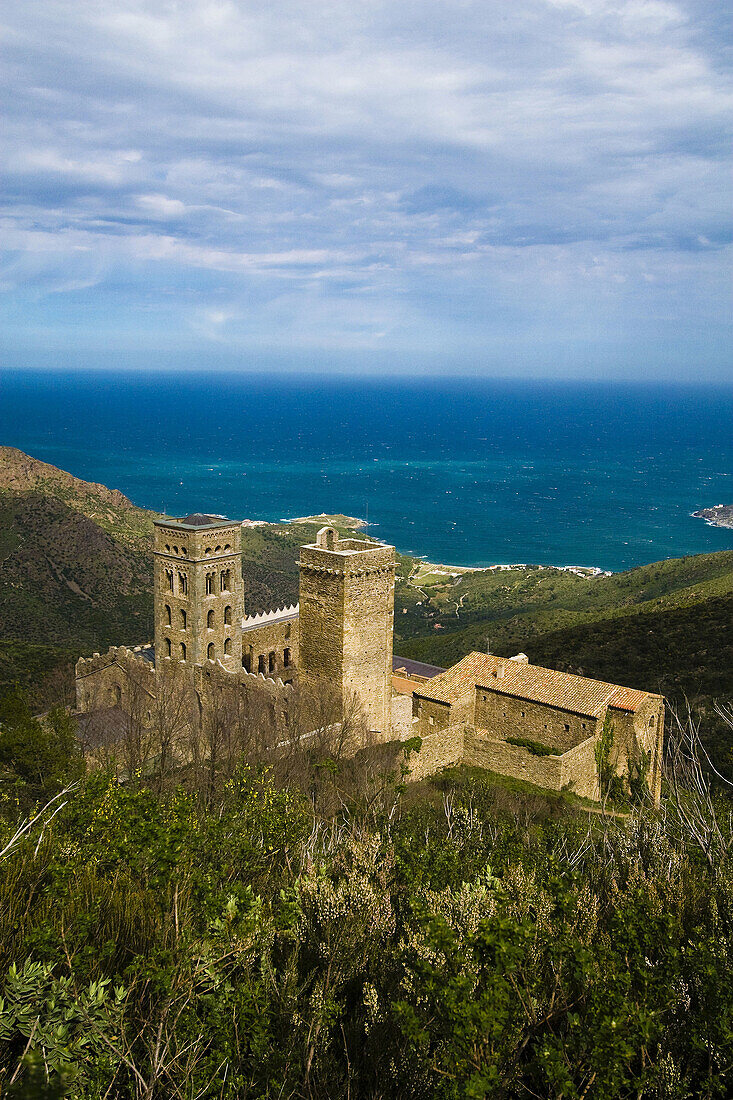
(530, 188)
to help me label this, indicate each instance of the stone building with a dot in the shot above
(534, 723)
(346, 622)
(199, 593)
(500, 713)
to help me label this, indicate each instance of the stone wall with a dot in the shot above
(439, 750)
(504, 716)
(346, 623)
(499, 756)
(579, 769)
(120, 677)
(271, 648)
(401, 724)
(198, 592)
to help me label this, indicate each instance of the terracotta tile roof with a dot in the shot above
(531, 682)
(403, 686)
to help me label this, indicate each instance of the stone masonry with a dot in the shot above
(199, 593)
(346, 623)
(503, 714)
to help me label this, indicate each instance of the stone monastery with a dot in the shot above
(500, 713)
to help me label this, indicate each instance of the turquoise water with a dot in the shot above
(468, 472)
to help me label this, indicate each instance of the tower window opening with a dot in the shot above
(183, 619)
(182, 583)
(211, 651)
(210, 619)
(567, 726)
(227, 616)
(169, 579)
(224, 580)
(168, 619)
(261, 663)
(247, 661)
(651, 722)
(286, 658)
(271, 662)
(218, 550)
(167, 647)
(183, 651)
(209, 584)
(228, 646)
(175, 549)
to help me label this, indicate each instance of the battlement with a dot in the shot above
(116, 654)
(279, 615)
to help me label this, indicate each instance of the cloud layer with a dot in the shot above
(532, 188)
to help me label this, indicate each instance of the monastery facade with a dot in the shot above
(499, 713)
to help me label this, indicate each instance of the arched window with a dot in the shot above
(247, 661)
(227, 616)
(183, 651)
(210, 619)
(218, 550)
(183, 619)
(168, 619)
(227, 547)
(210, 652)
(271, 662)
(227, 646)
(651, 721)
(184, 551)
(175, 549)
(169, 579)
(209, 584)
(224, 579)
(261, 663)
(116, 695)
(182, 583)
(167, 647)
(286, 658)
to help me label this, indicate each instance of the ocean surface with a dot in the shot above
(461, 471)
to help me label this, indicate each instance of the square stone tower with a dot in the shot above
(346, 622)
(199, 593)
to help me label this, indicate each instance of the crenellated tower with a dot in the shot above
(199, 594)
(346, 622)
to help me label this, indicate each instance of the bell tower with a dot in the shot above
(199, 593)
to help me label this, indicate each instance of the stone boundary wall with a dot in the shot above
(443, 749)
(579, 769)
(512, 760)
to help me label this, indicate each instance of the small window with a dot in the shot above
(218, 550)
(522, 713)
(271, 662)
(227, 547)
(168, 548)
(184, 551)
(431, 720)
(228, 646)
(286, 658)
(169, 579)
(224, 580)
(210, 619)
(183, 583)
(227, 616)
(651, 722)
(247, 662)
(567, 726)
(175, 549)
(210, 652)
(261, 663)
(183, 651)
(183, 619)
(168, 619)
(209, 584)
(167, 647)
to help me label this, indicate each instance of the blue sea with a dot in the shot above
(462, 471)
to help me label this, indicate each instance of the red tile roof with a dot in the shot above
(531, 682)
